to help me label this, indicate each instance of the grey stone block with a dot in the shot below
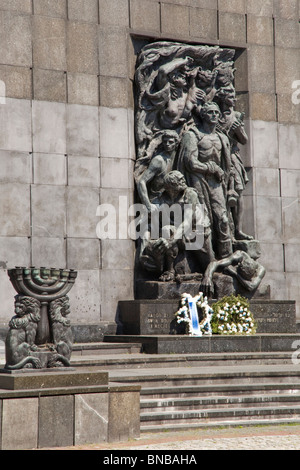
(233, 6)
(89, 333)
(145, 15)
(265, 144)
(286, 33)
(293, 289)
(19, 423)
(175, 19)
(15, 47)
(234, 344)
(117, 253)
(14, 251)
(204, 23)
(116, 173)
(259, 8)
(15, 210)
(290, 183)
(53, 8)
(288, 112)
(114, 135)
(82, 48)
(124, 416)
(7, 293)
(83, 89)
(261, 68)
(117, 197)
(38, 380)
(48, 211)
(114, 13)
(267, 182)
(48, 252)
(291, 219)
(82, 139)
(288, 10)
(49, 85)
(114, 92)
(116, 284)
(277, 283)
(85, 298)
(249, 215)
(272, 257)
(113, 58)
(49, 127)
(21, 6)
(289, 141)
(84, 254)
(82, 205)
(292, 258)
(232, 27)
(56, 421)
(15, 130)
(263, 106)
(260, 30)
(241, 75)
(49, 169)
(83, 171)
(210, 4)
(16, 167)
(287, 66)
(91, 418)
(49, 43)
(268, 219)
(82, 10)
(17, 80)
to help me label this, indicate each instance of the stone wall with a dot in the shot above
(67, 135)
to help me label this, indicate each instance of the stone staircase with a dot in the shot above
(185, 391)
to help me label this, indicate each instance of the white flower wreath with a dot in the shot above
(183, 315)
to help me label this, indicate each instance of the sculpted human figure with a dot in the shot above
(150, 184)
(239, 265)
(232, 123)
(176, 92)
(204, 159)
(159, 255)
(20, 340)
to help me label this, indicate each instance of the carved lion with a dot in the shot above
(21, 336)
(61, 327)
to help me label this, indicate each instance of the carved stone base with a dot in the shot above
(223, 285)
(157, 317)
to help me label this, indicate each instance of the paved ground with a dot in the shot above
(285, 437)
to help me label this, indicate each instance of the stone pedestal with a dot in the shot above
(223, 285)
(61, 408)
(157, 317)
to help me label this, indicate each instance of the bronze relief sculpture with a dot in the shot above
(187, 130)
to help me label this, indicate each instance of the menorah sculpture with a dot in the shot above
(40, 334)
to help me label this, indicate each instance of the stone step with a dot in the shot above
(218, 402)
(118, 360)
(183, 376)
(222, 423)
(184, 344)
(211, 390)
(101, 348)
(216, 415)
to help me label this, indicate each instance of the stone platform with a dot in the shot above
(61, 408)
(183, 344)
